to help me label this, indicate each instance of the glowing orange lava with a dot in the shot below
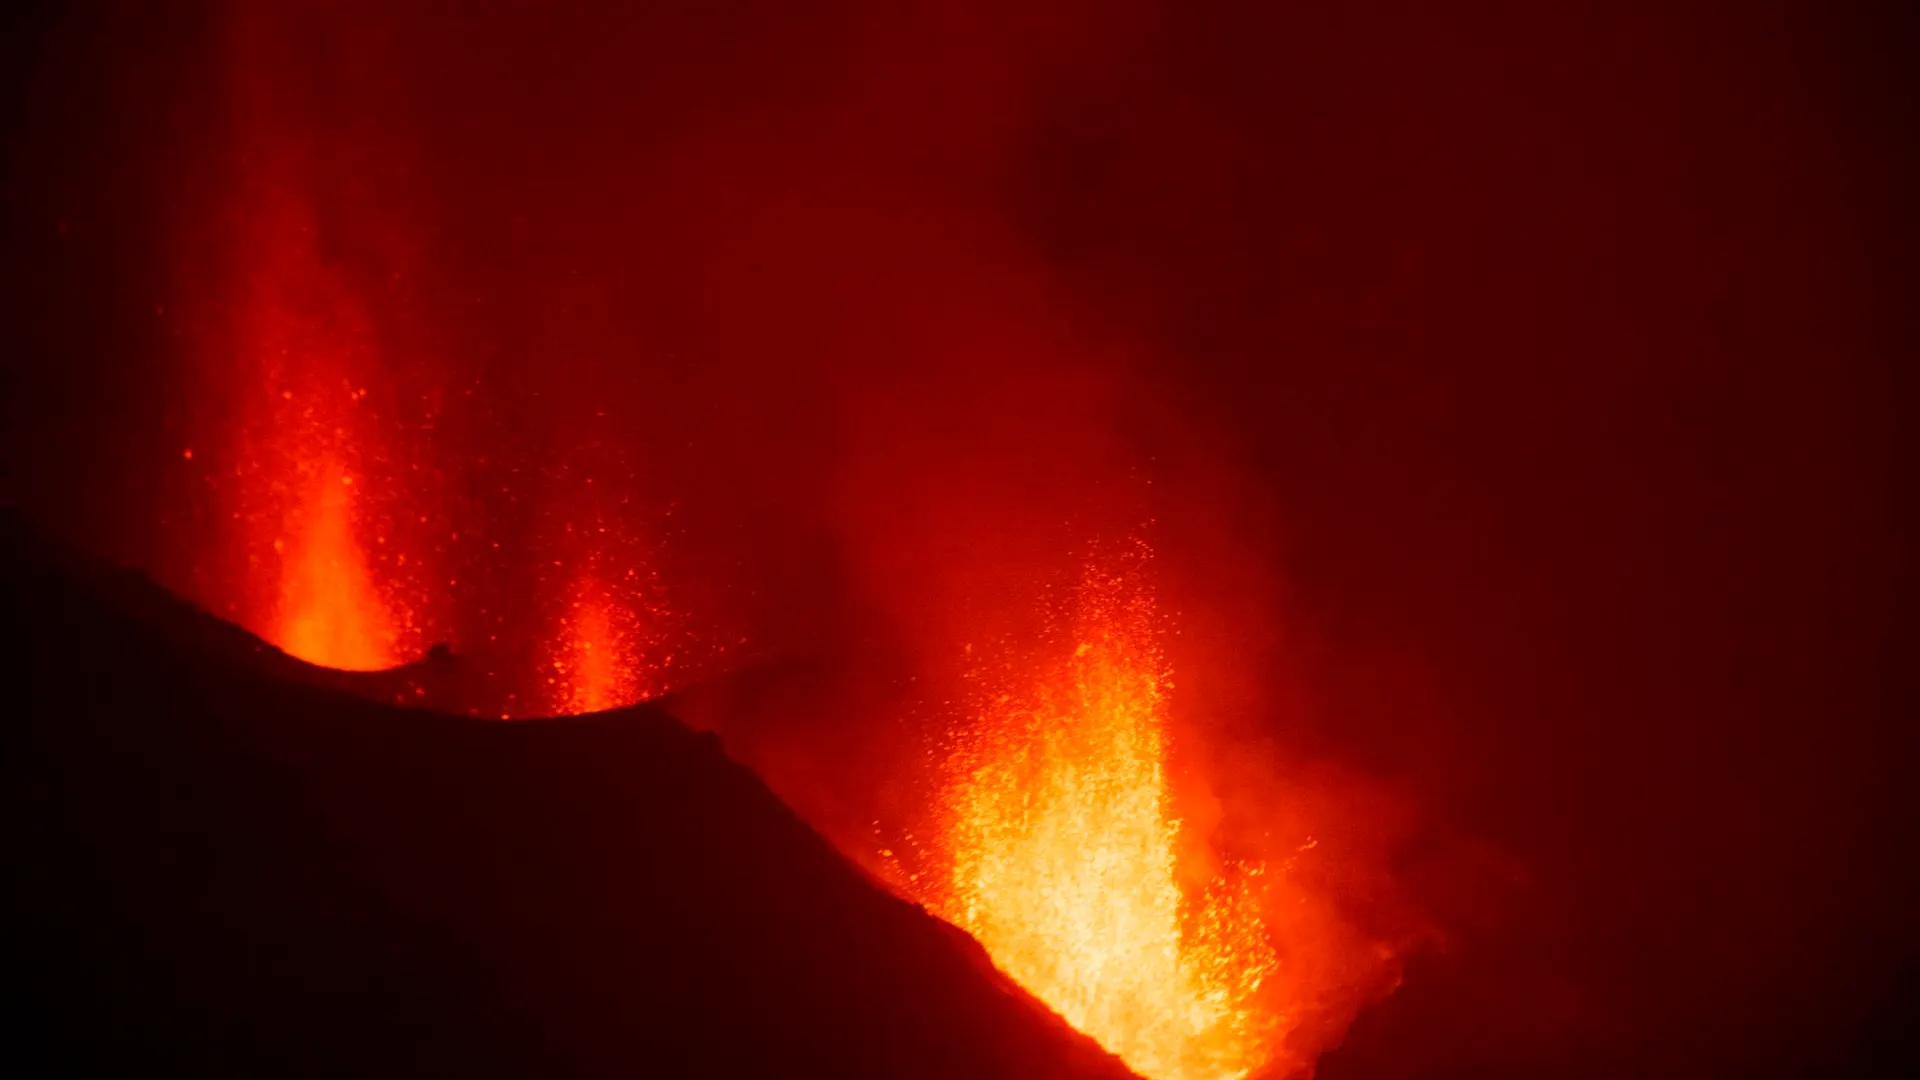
(330, 611)
(1063, 842)
(596, 663)
(292, 285)
(306, 444)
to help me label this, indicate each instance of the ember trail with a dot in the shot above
(1063, 846)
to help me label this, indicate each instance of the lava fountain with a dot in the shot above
(330, 611)
(608, 623)
(307, 339)
(293, 275)
(595, 659)
(1065, 848)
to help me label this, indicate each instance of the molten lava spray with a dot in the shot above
(293, 283)
(1064, 850)
(596, 661)
(307, 340)
(330, 611)
(608, 630)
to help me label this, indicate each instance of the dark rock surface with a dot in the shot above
(217, 870)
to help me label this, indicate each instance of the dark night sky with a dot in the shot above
(1523, 385)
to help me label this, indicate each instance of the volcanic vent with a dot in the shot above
(1506, 396)
(1063, 845)
(409, 447)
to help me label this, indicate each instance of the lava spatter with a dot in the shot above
(1063, 844)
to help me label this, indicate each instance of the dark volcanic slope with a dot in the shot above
(218, 873)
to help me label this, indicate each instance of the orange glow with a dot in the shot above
(1064, 852)
(330, 612)
(596, 663)
(307, 439)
